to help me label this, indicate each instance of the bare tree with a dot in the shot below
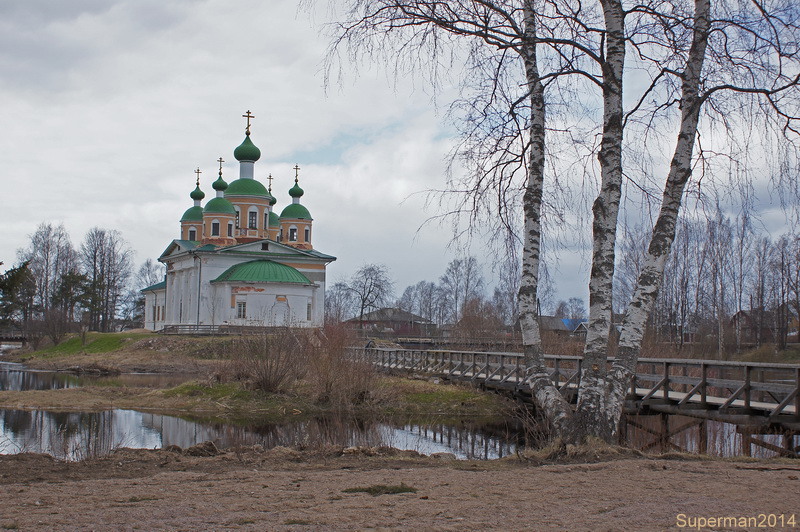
(106, 261)
(737, 56)
(371, 288)
(50, 256)
(339, 303)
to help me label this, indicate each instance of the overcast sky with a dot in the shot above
(110, 105)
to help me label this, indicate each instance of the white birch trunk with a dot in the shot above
(664, 230)
(546, 396)
(592, 390)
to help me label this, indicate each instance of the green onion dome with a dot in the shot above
(272, 199)
(247, 151)
(246, 187)
(296, 211)
(274, 220)
(193, 214)
(296, 191)
(219, 184)
(197, 194)
(219, 206)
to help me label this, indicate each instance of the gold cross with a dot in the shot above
(198, 172)
(220, 161)
(270, 182)
(296, 172)
(248, 116)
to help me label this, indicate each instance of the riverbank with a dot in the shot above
(208, 389)
(253, 489)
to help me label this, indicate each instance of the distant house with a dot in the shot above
(400, 322)
(553, 325)
(759, 326)
(576, 326)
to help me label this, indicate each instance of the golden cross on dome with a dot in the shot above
(220, 161)
(248, 116)
(296, 172)
(198, 172)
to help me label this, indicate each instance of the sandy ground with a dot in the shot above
(284, 489)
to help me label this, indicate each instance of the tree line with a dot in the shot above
(726, 285)
(56, 287)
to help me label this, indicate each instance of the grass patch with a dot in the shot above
(382, 489)
(141, 499)
(11, 526)
(95, 343)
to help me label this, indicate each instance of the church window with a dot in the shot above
(237, 219)
(252, 219)
(280, 235)
(241, 310)
(308, 234)
(264, 246)
(266, 220)
(292, 234)
(214, 228)
(308, 312)
(230, 229)
(192, 233)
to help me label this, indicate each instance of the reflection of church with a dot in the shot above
(237, 262)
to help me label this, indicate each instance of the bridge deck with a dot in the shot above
(754, 393)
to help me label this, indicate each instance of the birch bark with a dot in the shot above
(592, 390)
(664, 230)
(552, 404)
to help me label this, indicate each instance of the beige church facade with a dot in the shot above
(239, 263)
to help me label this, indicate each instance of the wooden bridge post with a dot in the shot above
(664, 432)
(747, 376)
(704, 384)
(702, 437)
(747, 443)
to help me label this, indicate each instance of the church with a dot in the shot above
(237, 262)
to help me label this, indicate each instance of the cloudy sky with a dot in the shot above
(110, 105)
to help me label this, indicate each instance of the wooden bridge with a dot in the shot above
(759, 398)
(12, 335)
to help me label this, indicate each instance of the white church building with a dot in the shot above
(237, 262)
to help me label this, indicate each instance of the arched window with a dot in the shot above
(215, 228)
(192, 233)
(252, 218)
(293, 234)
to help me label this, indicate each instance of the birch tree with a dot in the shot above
(700, 60)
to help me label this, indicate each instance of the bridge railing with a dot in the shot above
(772, 389)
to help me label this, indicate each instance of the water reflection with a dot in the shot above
(74, 436)
(16, 377)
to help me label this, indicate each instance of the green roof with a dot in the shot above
(246, 187)
(197, 194)
(296, 191)
(220, 206)
(219, 184)
(158, 286)
(262, 271)
(193, 214)
(274, 220)
(295, 210)
(247, 151)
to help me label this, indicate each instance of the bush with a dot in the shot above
(270, 362)
(338, 379)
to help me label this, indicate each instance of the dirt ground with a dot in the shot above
(283, 489)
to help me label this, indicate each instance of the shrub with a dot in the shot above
(337, 378)
(269, 362)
